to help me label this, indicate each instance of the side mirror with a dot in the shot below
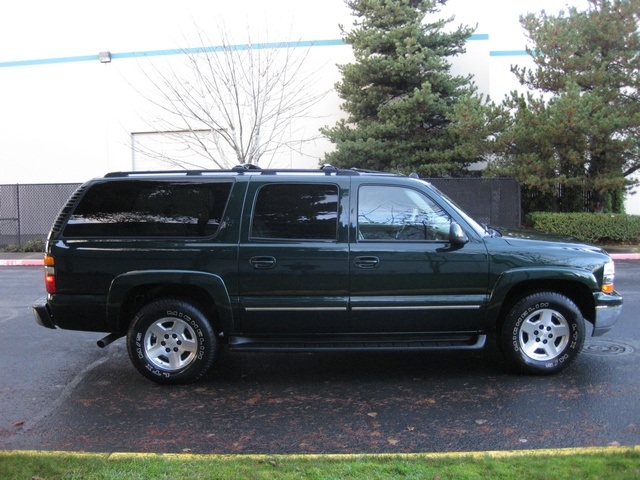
(457, 236)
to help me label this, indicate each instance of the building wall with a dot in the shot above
(66, 117)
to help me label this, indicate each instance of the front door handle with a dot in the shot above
(262, 262)
(366, 262)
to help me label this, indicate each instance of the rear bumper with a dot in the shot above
(43, 314)
(608, 310)
(86, 313)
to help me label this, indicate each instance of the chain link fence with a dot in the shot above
(491, 201)
(28, 211)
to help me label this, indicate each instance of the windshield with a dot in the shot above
(479, 229)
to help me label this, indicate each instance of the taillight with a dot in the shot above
(49, 274)
(608, 277)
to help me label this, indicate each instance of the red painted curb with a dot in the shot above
(625, 256)
(21, 263)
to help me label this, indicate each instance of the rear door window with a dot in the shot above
(296, 211)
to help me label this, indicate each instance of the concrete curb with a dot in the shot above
(34, 262)
(557, 452)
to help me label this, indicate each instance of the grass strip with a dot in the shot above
(595, 463)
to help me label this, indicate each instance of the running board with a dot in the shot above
(356, 343)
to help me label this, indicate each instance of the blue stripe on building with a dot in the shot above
(508, 53)
(219, 48)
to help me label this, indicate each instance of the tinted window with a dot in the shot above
(398, 213)
(296, 211)
(149, 209)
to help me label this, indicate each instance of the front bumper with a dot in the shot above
(608, 310)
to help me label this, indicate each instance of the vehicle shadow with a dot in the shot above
(310, 368)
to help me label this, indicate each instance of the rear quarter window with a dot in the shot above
(143, 208)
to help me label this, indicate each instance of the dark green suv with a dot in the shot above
(299, 261)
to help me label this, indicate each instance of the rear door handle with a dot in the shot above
(262, 263)
(366, 262)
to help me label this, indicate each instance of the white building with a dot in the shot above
(65, 116)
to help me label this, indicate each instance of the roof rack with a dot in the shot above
(247, 168)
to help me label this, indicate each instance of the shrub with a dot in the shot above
(30, 246)
(589, 227)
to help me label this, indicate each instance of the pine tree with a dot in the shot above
(400, 94)
(580, 136)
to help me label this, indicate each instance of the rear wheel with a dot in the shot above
(542, 333)
(171, 341)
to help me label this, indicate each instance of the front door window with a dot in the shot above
(397, 213)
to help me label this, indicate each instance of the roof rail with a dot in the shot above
(365, 170)
(247, 168)
(237, 169)
(154, 172)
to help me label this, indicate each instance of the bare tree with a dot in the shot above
(234, 103)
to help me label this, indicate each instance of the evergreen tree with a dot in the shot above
(580, 136)
(399, 94)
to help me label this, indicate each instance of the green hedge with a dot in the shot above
(30, 246)
(589, 227)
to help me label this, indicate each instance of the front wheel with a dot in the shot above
(171, 341)
(542, 333)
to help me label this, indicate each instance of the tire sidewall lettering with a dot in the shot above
(138, 348)
(557, 361)
(156, 372)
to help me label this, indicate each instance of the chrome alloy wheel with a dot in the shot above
(544, 335)
(170, 344)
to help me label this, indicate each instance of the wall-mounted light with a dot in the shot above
(105, 57)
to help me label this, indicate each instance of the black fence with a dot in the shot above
(28, 211)
(491, 201)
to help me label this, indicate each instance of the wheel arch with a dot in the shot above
(577, 285)
(131, 291)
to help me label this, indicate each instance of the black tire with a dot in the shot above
(542, 333)
(171, 341)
